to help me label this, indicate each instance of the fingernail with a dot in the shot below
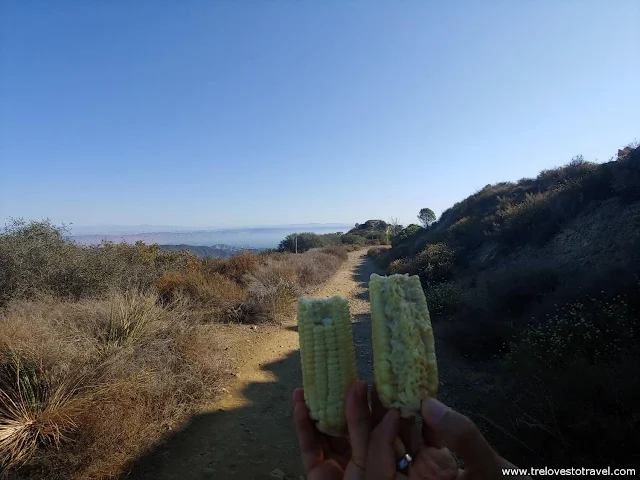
(362, 390)
(433, 410)
(394, 414)
(295, 394)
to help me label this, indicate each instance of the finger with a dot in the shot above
(308, 437)
(377, 410)
(339, 459)
(358, 422)
(431, 436)
(463, 437)
(298, 396)
(381, 458)
(410, 435)
(339, 445)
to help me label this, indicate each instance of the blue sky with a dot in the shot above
(223, 113)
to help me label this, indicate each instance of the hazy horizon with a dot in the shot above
(244, 113)
(143, 228)
(252, 237)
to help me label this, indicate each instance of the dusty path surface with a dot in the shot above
(248, 434)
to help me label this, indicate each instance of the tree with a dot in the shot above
(395, 225)
(305, 241)
(426, 216)
(351, 239)
(405, 233)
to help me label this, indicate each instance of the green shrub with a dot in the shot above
(329, 239)
(405, 234)
(377, 238)
(626, 177)
(403, 265)
(300, 242)
(467, 233)
(376, 225)
(443, 299)
(509, 290)
(520, 220)
(576, 381)
(351, 239)
(593, 330)
(435, 263)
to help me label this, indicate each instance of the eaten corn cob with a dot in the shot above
(328, 360)
(404, 357)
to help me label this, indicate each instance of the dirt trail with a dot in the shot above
(248, 434)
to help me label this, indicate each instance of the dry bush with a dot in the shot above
(36, 257)
(316, 268)
(236, 267)
(109, 377)
(220, 296)
(336, 250)
(274, 286)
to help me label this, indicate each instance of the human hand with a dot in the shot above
(431, 460)
(393, 437)
(482, 462)
(330, 458)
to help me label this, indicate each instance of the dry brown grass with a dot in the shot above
(87, 386)
(274, 286)
(235, 268)
(337, 250)
(213, 290)
(103, 350)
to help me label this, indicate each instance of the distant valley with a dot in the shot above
(219, 250)
(242, 237)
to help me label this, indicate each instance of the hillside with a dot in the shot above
(218, 251)
(537, 281)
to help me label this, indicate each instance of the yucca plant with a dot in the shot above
(34, 410)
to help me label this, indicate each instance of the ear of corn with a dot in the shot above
(328, 360)
(404, 357)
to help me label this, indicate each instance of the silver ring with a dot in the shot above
(404, 462)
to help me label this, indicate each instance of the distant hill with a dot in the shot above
(249, 237)
(220, 250)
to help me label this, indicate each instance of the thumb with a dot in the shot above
(381, 457)
(463, 437)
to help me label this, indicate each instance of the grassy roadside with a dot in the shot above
(105, 349)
